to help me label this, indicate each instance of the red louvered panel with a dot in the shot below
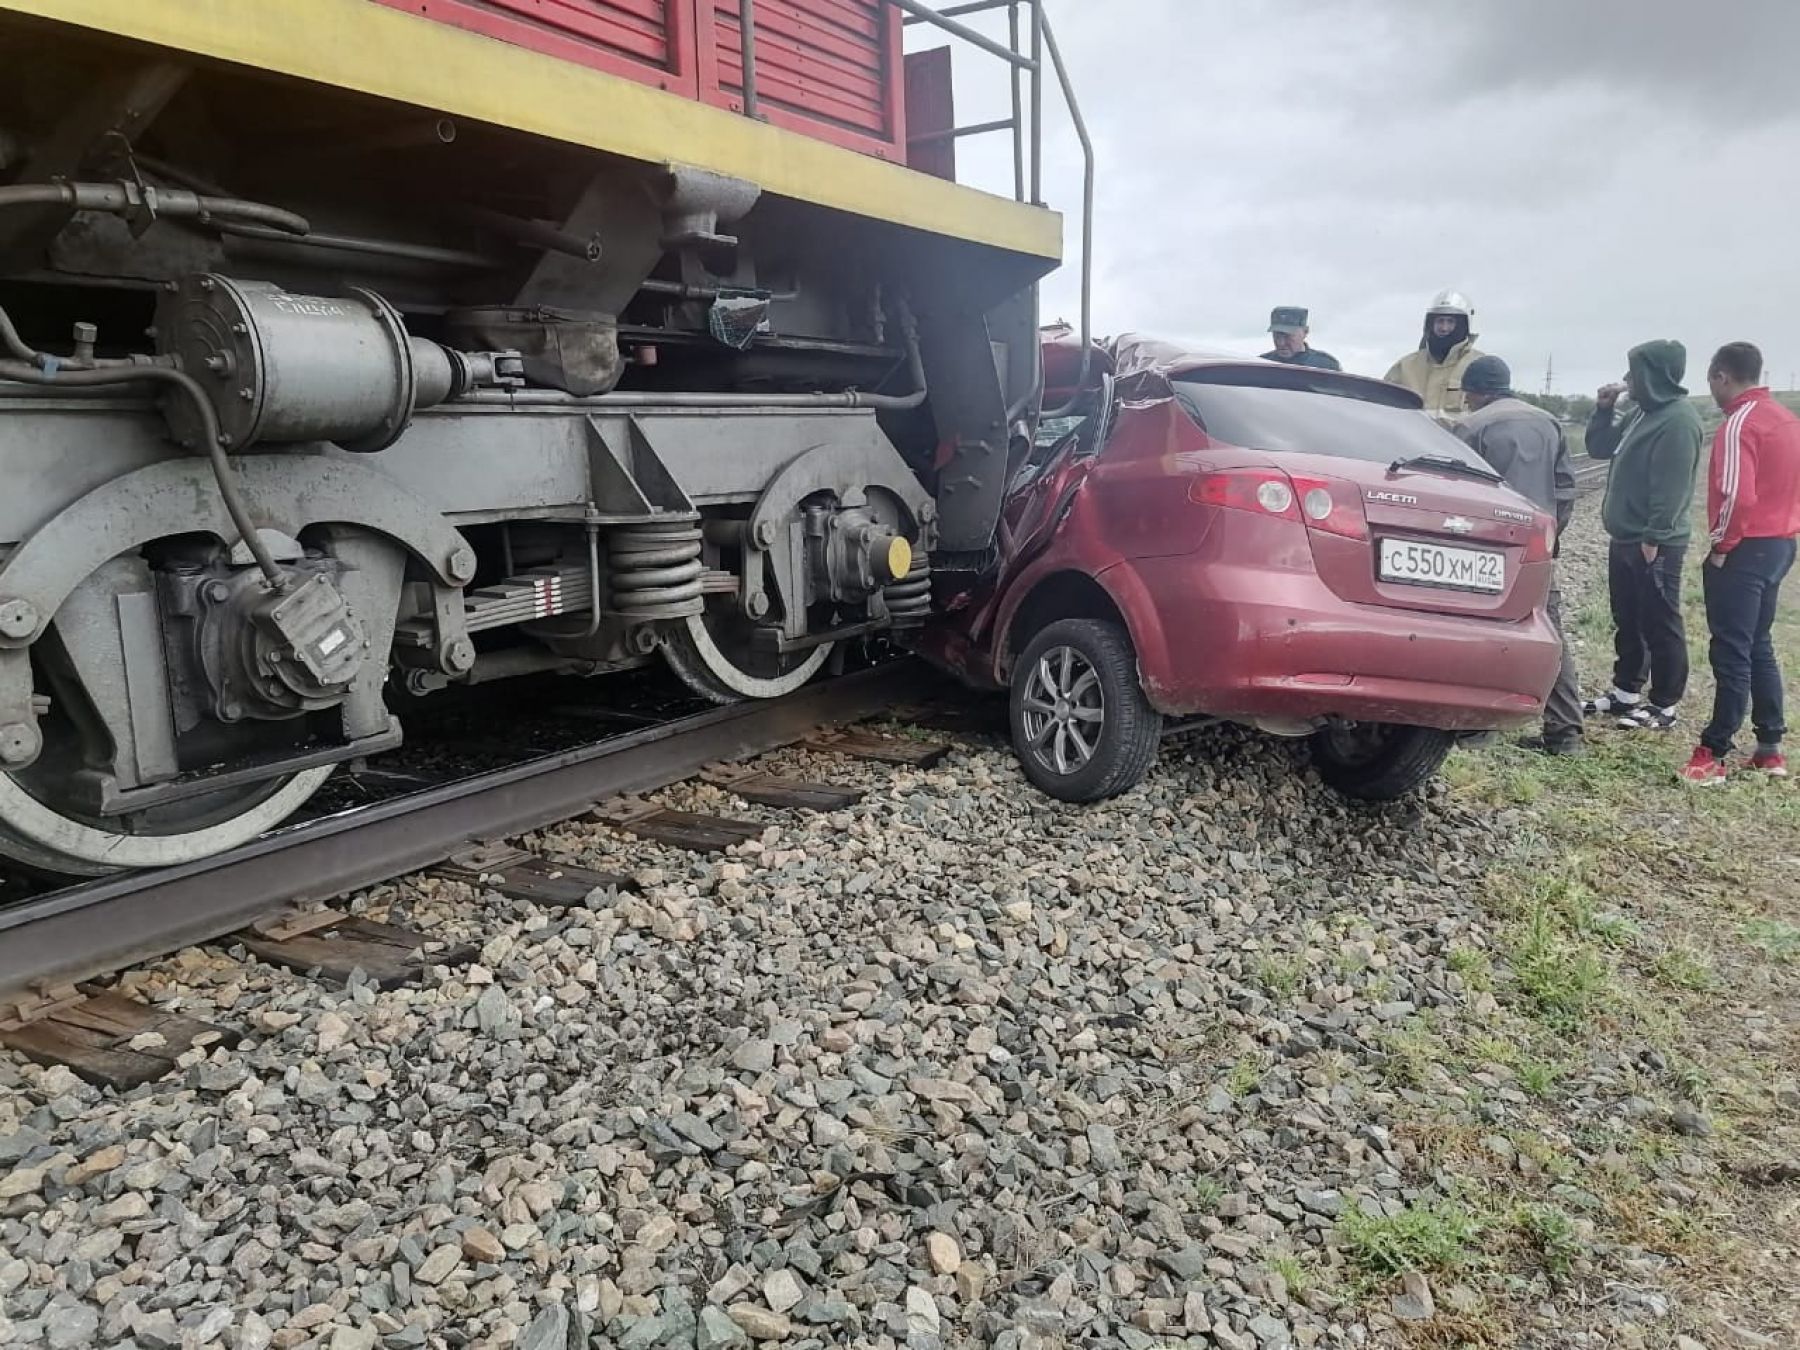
(647, 40)
(827, 68)
(831, 67)
(812, 86)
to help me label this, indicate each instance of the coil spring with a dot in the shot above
(655, 570)
(909, 599)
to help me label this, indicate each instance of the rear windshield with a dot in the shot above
(1348, 423)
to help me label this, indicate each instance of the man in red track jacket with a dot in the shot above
(1753, 506)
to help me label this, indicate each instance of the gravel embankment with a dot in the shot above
(957, 1067)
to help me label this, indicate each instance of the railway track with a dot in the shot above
(272, 890)
(1590, 474)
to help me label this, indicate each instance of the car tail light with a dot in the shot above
(1541, 547)
(1269, 491)
(1332, 505)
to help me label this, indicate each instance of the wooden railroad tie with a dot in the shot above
(682, 829)
(103, 1037)
(880, 748)
(337, 945)
(766, 789)
(519, 875)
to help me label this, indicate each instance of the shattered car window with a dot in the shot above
(1317, 423)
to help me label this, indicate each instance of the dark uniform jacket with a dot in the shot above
(1306, 356)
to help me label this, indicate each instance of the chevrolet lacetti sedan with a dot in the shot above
(1296, 549)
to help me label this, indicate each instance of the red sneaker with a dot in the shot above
(1773, 765)
(1705, 769)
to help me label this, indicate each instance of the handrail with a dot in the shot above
(957, 11)
(747, 46)
(926, 14)
(1028, 158)
(1018, 111)
(1087, 213)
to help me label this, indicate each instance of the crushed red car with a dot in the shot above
(1296, 549)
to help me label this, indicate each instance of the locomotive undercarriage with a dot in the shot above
(176, 700)
(439, 416)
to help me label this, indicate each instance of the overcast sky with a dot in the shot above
(1592, 173)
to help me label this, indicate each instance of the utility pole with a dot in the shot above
(1550, 375)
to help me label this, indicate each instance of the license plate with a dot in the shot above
(1418, 564)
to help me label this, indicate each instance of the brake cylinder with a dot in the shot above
(284, 369)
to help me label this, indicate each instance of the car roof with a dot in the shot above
(1147, 364)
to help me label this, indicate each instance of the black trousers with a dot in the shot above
(1741, 596)
(1649, 639)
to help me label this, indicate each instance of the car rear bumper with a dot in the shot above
(1250, 643)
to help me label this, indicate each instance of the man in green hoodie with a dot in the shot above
(1655, 454)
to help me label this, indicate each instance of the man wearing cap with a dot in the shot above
(1288, 325)
(1434, 371)
(1526, 446)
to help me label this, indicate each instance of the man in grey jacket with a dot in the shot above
(1526, 446)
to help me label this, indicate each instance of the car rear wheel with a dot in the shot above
(1378, 761)
(1081, 725)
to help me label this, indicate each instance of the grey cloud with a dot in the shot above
(1721, 61)
(1558, 163)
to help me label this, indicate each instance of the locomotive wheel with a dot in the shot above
(48, 837)
(714, 656)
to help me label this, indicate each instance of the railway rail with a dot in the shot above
(50, 942)
(1590, 475)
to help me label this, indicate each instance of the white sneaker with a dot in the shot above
(1613, 703)
(1648, 717)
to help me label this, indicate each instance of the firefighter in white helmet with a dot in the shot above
(1434, 372)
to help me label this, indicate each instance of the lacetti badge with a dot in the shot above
(1394, 498)
(1458, 524)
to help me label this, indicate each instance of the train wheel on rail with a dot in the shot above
(44, 825)
(716, 655)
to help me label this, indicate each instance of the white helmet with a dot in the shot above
(1451, 302)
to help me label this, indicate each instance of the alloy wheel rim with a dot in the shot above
(1064, 711)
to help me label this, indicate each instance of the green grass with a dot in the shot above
(1551, 1234)
(1244, 1076)
(1691, 1080)
(1683, 968)
(1777, 940)
(1539, 1077)
(1280, 975)
(1627, 913)
(1493, 1049)
(1298, 1277)
(1426, 1237)
(1413, 1050)
(1564, 979)
(1473, 965)
(1206, 1195)
(1616, 930)
(1553, 1159)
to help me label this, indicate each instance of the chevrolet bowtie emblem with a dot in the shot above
(1458, 524)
